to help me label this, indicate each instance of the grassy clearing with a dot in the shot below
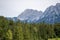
(54, 39)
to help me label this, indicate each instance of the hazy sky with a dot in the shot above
(11, 8)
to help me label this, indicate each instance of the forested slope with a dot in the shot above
(10, 30)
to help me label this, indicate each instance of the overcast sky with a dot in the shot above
(11, 8)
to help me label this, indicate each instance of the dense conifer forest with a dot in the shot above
(10, 30)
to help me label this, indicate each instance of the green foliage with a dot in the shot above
(10, 30)
(8, 35)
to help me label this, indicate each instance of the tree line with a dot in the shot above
(10, 30)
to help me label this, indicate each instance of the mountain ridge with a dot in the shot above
(50, 15)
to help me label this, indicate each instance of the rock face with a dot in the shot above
(50, 15)
(30, 15)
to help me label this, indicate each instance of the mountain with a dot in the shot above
(52, 14)
(13, 18)
(30, 15)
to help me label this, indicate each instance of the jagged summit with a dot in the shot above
(50, 15)
(30, 15)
